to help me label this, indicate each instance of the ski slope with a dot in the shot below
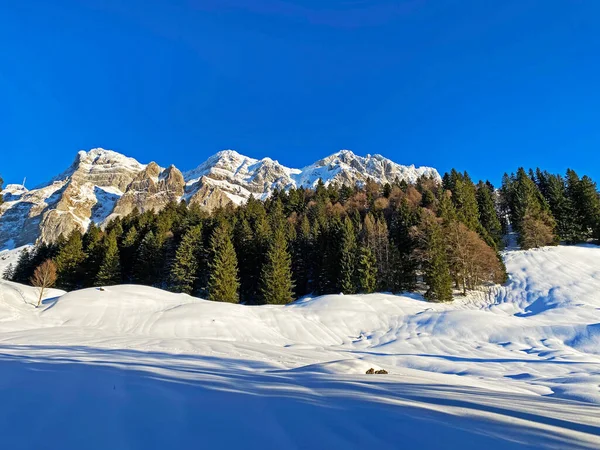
(517, 366)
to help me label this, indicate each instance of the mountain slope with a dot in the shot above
(102, 184)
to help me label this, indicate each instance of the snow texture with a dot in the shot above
(128, 366)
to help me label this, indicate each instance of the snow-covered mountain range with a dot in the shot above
(103, 184)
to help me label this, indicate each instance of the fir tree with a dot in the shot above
(404, 274)
(436, 270)
(149, 260)
(69, 262)
(185, 268)
(347, 258)
(223, 283)
(8, 273)
(367, 270)
(488, 217)
(276, 281)
(24, 269)
(110, 269)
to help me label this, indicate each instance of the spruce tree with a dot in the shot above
(8, 273)
(24, 268)
(436, 270)
(223, 285)
(347, 258)
(404, 275)
(110, 269)
(276, 280)
(69, 261)
(149, 260)
(488, 216)
(92, 247)
(586, 204)
(185, 268)
(367, 270)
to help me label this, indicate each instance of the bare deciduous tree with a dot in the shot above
(44, 277)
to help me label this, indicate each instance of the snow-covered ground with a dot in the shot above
(136, 367)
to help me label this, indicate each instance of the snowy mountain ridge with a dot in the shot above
(103, 184)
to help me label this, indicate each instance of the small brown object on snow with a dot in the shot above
(377, 372)
(101, 289)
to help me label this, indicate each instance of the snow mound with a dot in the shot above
(515, 366)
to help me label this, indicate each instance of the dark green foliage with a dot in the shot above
(586, 206)
(223, 285)
(367, 270)
(328, 240)
(488, 215)
(186, 267)
(149, 260)
(347, 258)
(405, 265)
(436, 270)
(276, 280)
(110, 269)
(69, 263)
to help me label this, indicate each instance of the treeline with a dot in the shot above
(545, 208)
(429, 237)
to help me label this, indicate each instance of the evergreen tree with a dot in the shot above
(276, 281)
(24, 269)
(367, 270)
(554, 190)
(69, 262)
(347, 258)
(302, 251)
(185, 268)
(488, 217)
(149, 260)
(110, 269)
(92, 247)
(223, 283)
(8, 273)
(586, 204)
(464, 197)
(436, 270)
(404, 274)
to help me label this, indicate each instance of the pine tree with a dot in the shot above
(404, 275)
(586, 204)
(24, 268)
(527, 202)
(223, 283)
(347, 258)
(69, 261)
(8, 273)
(92, 247)
(464, 197)
(488, 217)
(436, 270)
(185, 268)
(276, 281)
(302, 252)
(149, 260)
(110, 269)
(367, 270)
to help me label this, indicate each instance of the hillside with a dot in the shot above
(496, 369)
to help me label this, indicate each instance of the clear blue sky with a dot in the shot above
(484, 86)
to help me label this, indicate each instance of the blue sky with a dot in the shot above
(477, 85)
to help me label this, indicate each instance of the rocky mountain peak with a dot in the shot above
(103, 184)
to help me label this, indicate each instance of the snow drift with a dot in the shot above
(514, 366)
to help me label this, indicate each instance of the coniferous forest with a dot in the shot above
(438, 239)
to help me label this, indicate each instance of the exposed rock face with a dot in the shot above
(101, 185)
(151, 190)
